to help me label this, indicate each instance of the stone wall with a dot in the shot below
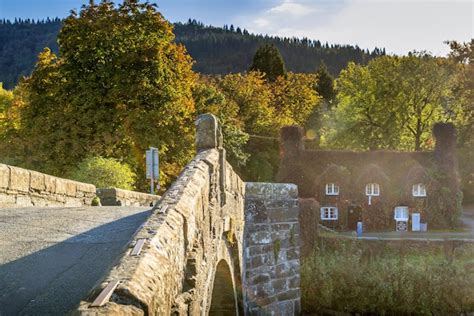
(120, 197)
(272, 250)
(191, 243)
(188, 258)
(20, 187)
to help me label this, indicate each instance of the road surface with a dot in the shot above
(51, 257)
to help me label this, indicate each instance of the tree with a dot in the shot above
(325, 84)
(267, 59)
(393, 102)
(121, 84)
(295, 98)
(208, 99)
(6, 99)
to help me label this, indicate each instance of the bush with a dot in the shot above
(105, 173)
(380, 278)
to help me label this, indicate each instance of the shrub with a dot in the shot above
(105, 173)
(381, 278)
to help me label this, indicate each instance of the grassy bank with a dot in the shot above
(376, 277)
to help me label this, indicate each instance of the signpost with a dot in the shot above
(152, 167)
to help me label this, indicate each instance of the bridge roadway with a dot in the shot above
(51, 257)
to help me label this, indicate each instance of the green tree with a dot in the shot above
(393, 102)
(325, 84)
(105, 173)
(121, 84)
(268, 60)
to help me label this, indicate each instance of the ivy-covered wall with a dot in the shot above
(395, 172)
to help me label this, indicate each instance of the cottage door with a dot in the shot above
(354, 215)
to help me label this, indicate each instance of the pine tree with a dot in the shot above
(268, 60)
(325, 85)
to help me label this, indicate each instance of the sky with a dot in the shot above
(400, 26)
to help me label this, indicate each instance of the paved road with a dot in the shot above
(51, 257)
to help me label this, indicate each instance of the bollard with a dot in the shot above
(359, 229)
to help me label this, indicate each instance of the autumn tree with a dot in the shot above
(268, 60)
(209, 99)
(121, 84)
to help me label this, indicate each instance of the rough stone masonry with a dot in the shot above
(201, 252)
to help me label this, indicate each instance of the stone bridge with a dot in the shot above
(211, 245)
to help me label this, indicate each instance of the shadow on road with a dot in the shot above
(53, 280)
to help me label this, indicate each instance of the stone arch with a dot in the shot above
(223, 300)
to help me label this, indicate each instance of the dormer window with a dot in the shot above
(419, 190)
(372, 189)
(332, 189)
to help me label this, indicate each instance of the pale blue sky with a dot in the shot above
(398, 25)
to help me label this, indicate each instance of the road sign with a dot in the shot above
(152, 167)
(152, 164)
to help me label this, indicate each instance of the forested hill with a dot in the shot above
(215, 50)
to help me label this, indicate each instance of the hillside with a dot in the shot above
(216, 50)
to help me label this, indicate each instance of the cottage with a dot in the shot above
(383, 189)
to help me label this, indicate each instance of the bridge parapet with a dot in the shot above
(187, 258)
(21, 187)
(193, 231)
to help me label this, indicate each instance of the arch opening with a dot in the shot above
(223, 300)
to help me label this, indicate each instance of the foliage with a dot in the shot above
(295, 98)
(268, 60)
(216, 50)
(380, 278)
(393, 102)
(463, 55)
(121, 84)
(262, 109)
(325, 84)
(6, 99)
(208, 99)
(105, 173)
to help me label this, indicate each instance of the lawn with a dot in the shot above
(388, 277)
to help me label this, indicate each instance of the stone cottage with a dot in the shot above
(383, 189)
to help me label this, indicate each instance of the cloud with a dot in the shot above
(399, 26)
(292, 8)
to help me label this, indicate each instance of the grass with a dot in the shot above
(379, 277)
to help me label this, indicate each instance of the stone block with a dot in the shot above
(23, 200)
(71, 188)
(61, 186)
(37, 181)
(85, 187)
(19, 180)
(7, 199)
(4, 176)
(50, 184)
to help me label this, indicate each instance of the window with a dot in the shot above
(329, 213)
(372, 189)
(401, 213)
(419, 190)
(332, 189)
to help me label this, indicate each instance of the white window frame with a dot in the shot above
(401, 213)
(329, 213)
(419, 190)
(332, 189)
(372, 189)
